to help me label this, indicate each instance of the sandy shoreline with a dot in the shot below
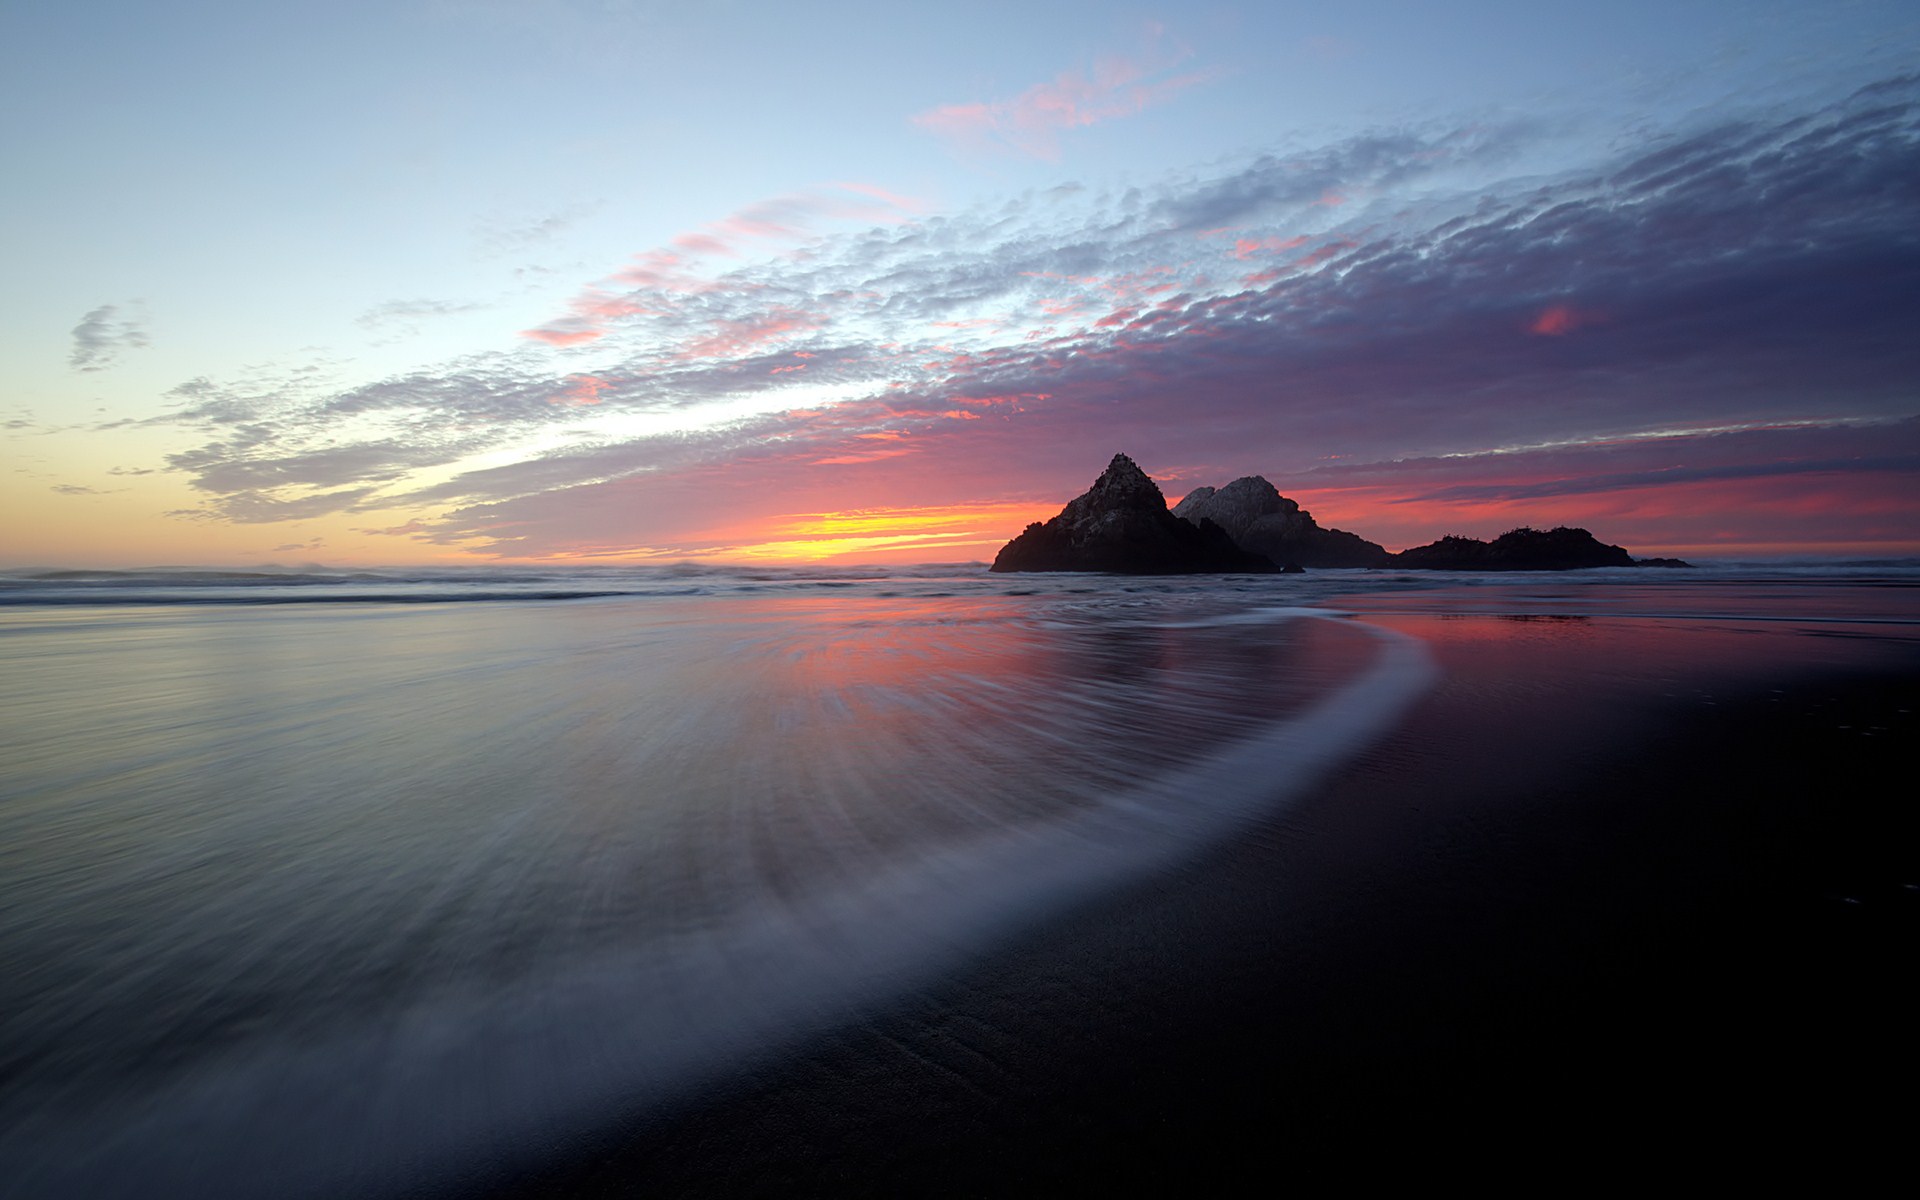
(964, 895)
(1564, 909)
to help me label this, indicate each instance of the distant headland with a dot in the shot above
(1121, 525)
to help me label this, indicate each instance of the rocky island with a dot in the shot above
(1121, 525)
(1524, 549)
(1259, 519)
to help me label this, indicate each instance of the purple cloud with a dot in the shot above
(1746, 275)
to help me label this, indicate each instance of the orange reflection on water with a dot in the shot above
(970, 693)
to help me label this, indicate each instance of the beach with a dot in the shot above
(1547, 929)
(630, 600)
(924, 884)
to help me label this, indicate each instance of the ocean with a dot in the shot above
(382, 883)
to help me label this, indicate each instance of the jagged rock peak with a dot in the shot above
(1121, 524)
(1238, 505)
(1123, 483)
(1250, 491)
(1261, 520)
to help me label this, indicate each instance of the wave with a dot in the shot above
(193, 585)
(479, 1080)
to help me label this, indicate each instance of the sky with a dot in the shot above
(469, 281)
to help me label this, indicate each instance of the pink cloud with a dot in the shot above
(847, 460)
(584, 390)
(1032, 121)
(1561, 319)
(1014, 400)
(1248, 247)
(591, 310)
(1126, 293)
(569, 332)
(703, 243)
(731, 338)
(795, 214)
(787, 217)
(662, 270)
(593, 305)
(653, 271)
(1327, 251)
(893, 199)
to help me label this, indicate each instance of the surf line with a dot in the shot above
(474, 1085)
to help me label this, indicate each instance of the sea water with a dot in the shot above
(349, 883)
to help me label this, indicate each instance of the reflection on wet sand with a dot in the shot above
(344, 863)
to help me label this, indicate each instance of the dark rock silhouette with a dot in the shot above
(1260, 519)
(1121, 525)
(1523, 549)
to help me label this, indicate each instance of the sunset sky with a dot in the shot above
(442, 281)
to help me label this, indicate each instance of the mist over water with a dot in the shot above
(380, 884)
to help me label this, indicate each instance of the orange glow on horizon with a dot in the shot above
(887, 534)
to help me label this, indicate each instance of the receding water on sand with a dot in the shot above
(325, 897)
(344, 898)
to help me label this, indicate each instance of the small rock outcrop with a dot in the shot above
(1523, 549)
(1260, 519)
(1121, 525)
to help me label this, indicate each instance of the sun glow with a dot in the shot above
(887, 534)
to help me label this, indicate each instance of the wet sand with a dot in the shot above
(1621, 894)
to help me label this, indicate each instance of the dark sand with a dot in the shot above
(1622, 897)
